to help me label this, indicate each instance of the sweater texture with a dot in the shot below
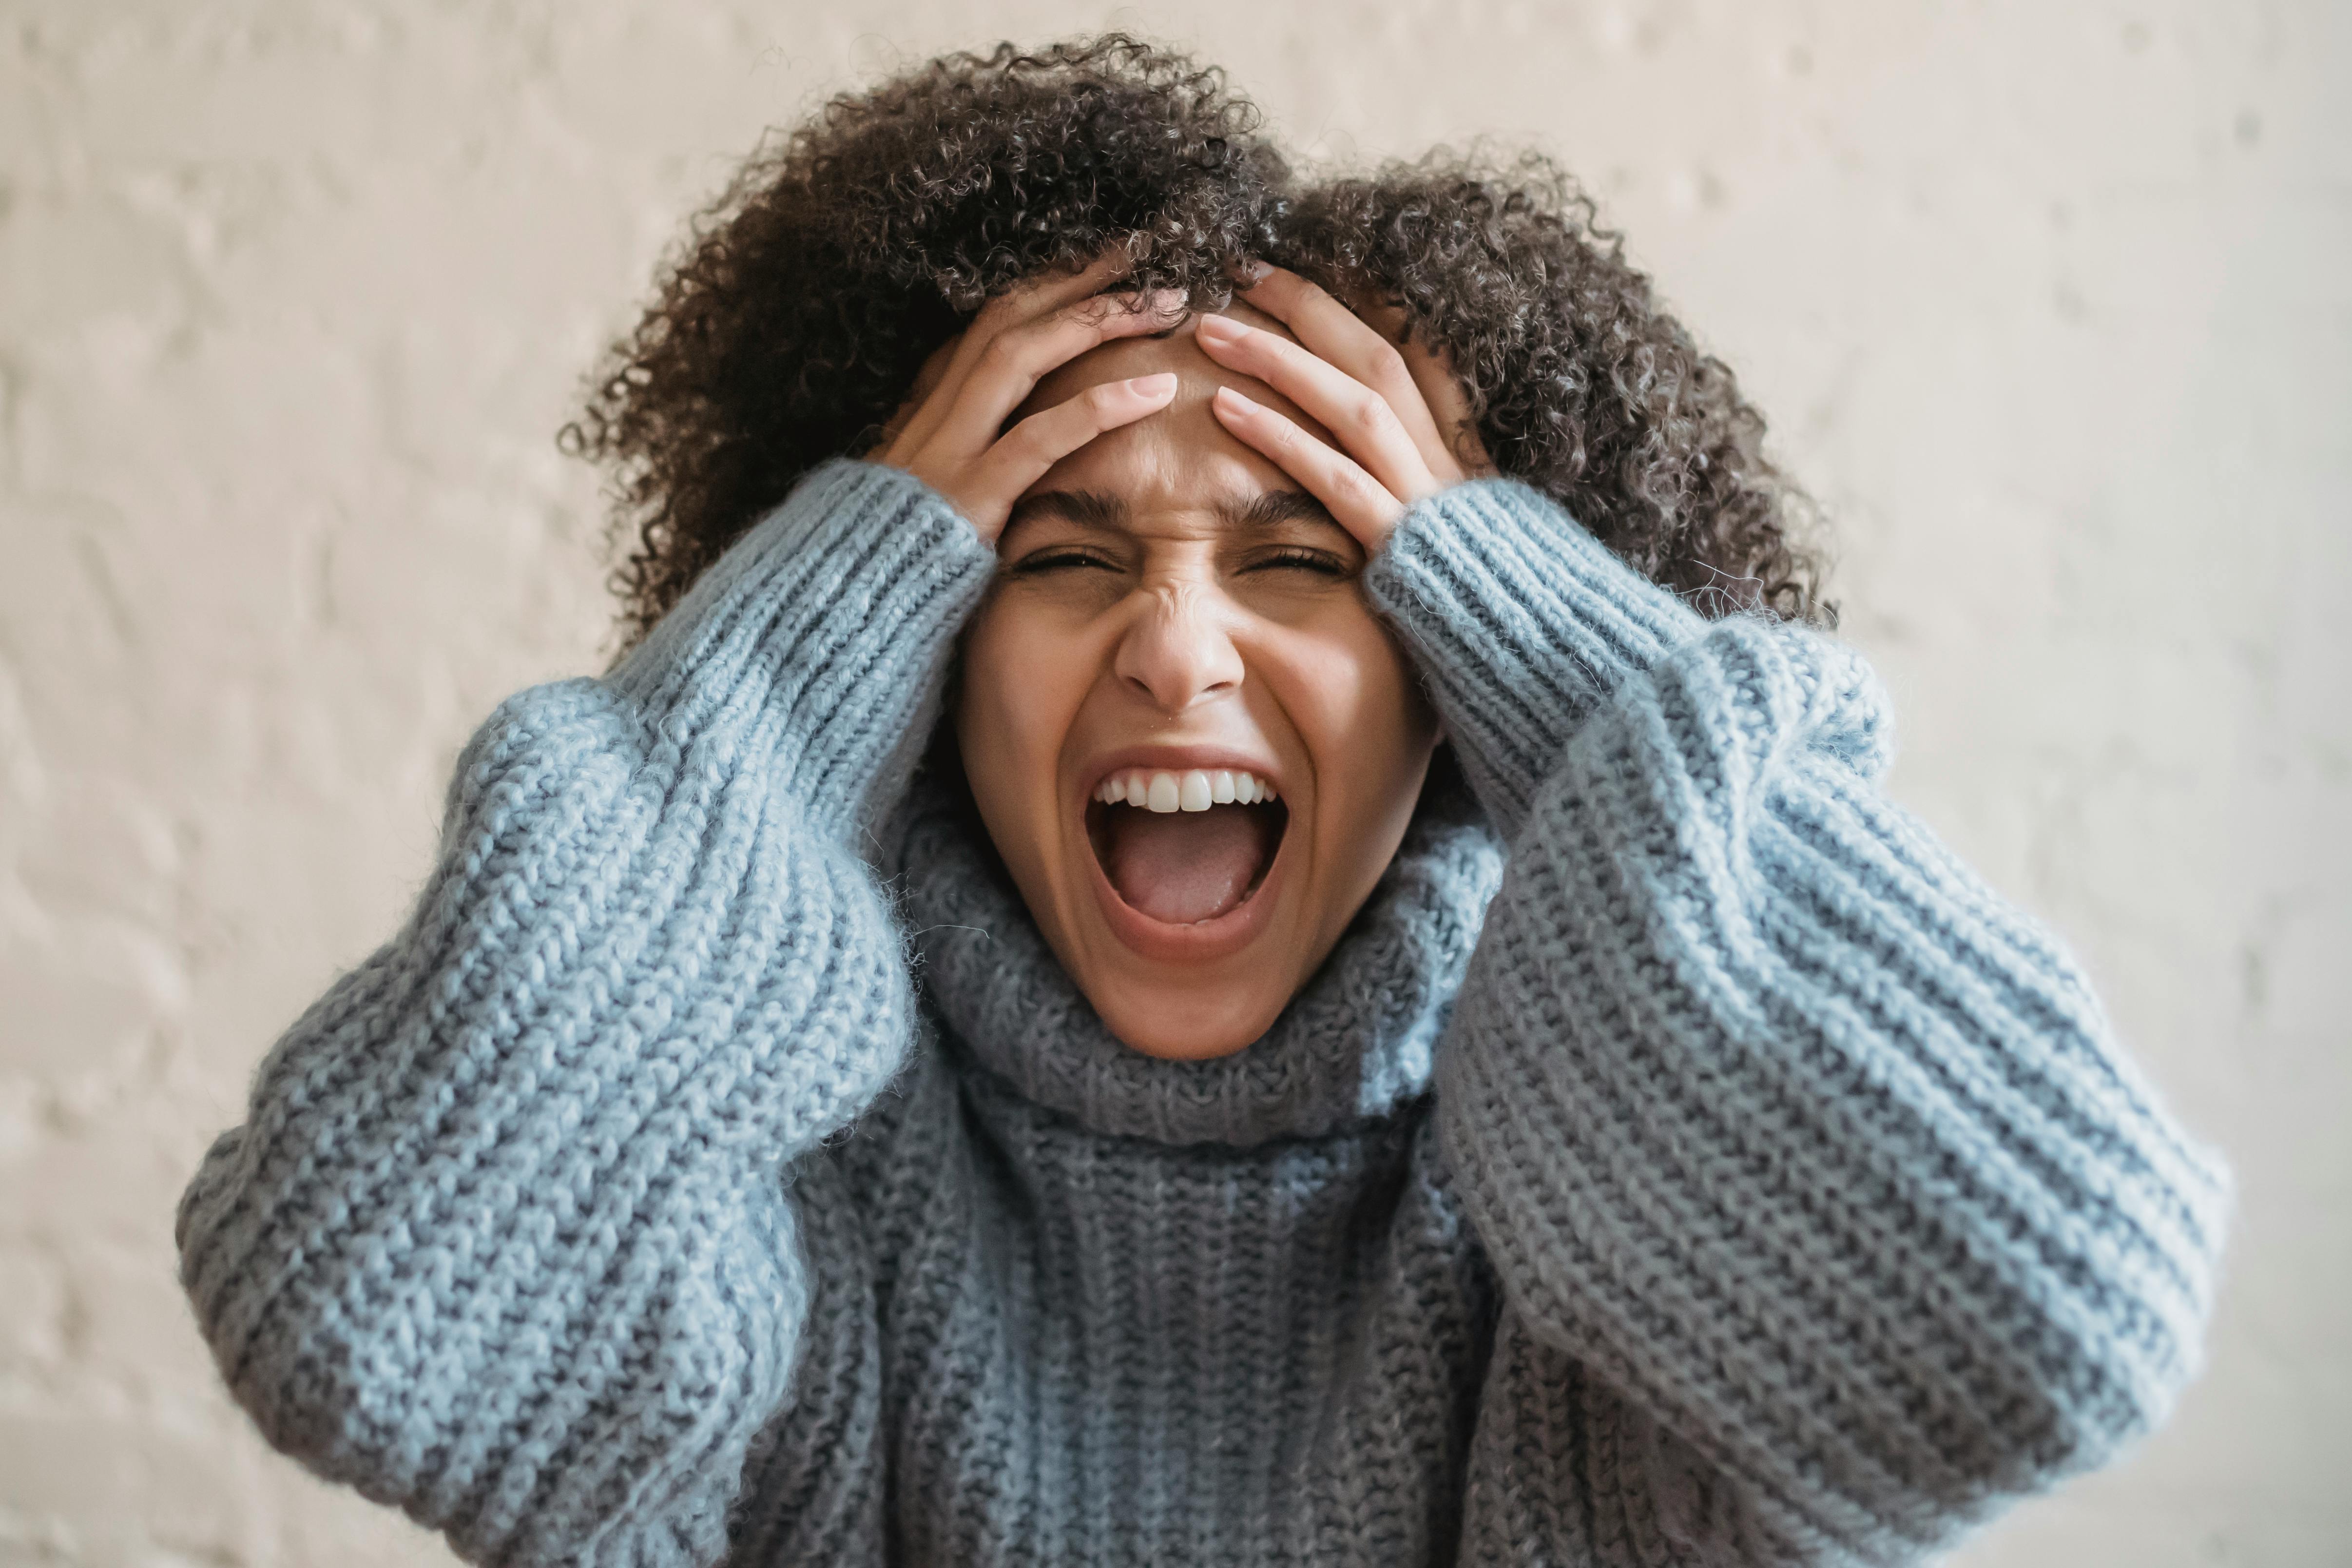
(1682, 1159)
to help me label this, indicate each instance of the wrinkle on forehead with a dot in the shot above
(1241, 511)
(1172, 455)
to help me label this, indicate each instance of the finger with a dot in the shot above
(1434, 372)
(1333, 333)
(1449, 404)
(1359, 502)
(1025, 302)
(1034, 298)
(900, 436)
(1049, 291)
(1030, 448)
(1366, 423)
(1009, 369)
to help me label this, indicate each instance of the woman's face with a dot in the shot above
(1170, 608)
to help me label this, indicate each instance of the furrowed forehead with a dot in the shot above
(1105, 511)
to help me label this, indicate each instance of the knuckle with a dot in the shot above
(1001, 476)
(1017, 356)
(1388, 365)
(1002, 352)
(1374, 416)
(1033, 453)
(1020, 441)
(1003, 313)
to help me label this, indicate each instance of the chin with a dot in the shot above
(1186, 1021)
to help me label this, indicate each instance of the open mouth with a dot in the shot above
(1184, 848)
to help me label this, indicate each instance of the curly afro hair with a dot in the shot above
(790, 326)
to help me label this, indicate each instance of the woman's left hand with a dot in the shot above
(1398, 413)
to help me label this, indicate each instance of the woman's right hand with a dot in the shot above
(950, 434)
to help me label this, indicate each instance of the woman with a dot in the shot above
(1174, 946)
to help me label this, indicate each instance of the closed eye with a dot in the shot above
(1061, 560)
(1297, 558)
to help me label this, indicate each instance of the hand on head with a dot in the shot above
(1399, 414)
(1401, 421)
(950, 434)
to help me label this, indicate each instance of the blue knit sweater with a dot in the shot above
(1682, 1159)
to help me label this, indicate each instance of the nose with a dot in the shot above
(1178, 653)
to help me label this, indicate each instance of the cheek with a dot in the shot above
(1018, 691)
(1353, 696)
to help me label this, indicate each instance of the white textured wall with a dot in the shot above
(2050, 300)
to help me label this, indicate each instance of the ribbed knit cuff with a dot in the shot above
(821, 637)
(1522, 622)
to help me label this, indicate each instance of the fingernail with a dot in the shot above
(1220, 327)
(1164, 301)
(1254, 271)
(1154, 384)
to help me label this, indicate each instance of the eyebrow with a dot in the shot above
(1103, 510)
(1271, 508)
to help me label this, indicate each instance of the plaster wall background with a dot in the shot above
(2047, 302)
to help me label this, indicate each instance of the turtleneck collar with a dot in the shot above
(1354, 1045)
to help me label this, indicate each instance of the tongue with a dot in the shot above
(1183, 866)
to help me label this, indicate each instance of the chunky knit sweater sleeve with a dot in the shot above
(1767, 1108)
(504, 1239)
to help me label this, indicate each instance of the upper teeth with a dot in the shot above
(1196, 789)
